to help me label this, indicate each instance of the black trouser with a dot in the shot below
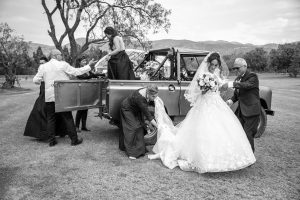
(250, 125)
(67, 120)
(81, 115)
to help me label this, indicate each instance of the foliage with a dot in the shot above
(284, 59)
(294, 68)
(66, 55)
(13, 55)
(38, 54)
(256, 59)
(96, 53)
(285, 54)
(132, 18)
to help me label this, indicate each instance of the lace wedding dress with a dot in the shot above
(209, 139)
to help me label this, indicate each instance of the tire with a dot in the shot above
(151, 137)
(262, 123)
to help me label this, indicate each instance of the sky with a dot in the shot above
(246, 21)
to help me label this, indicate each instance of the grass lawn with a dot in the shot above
(96, 169)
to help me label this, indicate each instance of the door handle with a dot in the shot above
(171, 88)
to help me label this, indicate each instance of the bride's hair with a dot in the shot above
(214, 56)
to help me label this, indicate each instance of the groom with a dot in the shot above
(247, 93)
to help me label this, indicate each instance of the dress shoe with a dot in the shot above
(52, 143)
(78, 130)
(85, 129)
(132, 158)
(77, 142)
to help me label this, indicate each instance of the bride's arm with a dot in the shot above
(220, 81)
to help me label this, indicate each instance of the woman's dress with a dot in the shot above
(120, 67)
(36, 125)
(133, 110)
(209, 139)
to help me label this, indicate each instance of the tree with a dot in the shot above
(285, 55)
(96, 53)
(13, 55)
(67, 55)
(273, 60)
(38, 54)
(132, 18)
(229, 59)
(294, 68)
(257, 59)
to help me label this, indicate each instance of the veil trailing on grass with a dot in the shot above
(164, 149)
(193, 91)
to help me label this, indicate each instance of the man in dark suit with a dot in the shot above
(247, 93)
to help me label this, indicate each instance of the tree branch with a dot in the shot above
(51, 33)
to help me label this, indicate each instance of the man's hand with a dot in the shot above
(224, 86)
(153, 122)
(92, 64)
(107, 57)
(229, 102)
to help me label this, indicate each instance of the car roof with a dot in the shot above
(180, 50)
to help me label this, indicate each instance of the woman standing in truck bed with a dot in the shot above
(119, 65)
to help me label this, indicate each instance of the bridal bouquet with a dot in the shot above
(206, 82)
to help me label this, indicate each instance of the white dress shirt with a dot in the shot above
(56, 70)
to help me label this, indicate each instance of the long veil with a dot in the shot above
(166, 132)
(193, 91)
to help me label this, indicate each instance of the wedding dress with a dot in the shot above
(209, 139)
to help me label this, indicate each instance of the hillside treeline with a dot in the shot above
(284, 59)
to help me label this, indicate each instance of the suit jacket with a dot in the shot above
(247, 92)
(56, 70)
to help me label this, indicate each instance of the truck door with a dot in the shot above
(79, 94)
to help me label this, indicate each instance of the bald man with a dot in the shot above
(246, 91)
(57, 69)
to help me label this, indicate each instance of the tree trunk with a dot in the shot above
(73, 50)
(10, 80)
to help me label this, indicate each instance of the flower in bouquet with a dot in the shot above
(206, 82)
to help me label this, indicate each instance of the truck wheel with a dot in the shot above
(262, 123)
(151, 137)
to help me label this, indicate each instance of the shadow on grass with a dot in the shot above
(15, 90)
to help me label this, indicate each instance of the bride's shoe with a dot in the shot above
(132, 158)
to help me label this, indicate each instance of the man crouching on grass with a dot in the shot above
(54, 70)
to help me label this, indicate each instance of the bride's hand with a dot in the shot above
(153, 122)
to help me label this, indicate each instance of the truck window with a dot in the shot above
(191, 63)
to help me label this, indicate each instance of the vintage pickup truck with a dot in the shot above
(107, 94)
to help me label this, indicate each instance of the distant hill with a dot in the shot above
(33, 47)
(224, 47)
(221, 46)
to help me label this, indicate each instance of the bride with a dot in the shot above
(210, 138)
